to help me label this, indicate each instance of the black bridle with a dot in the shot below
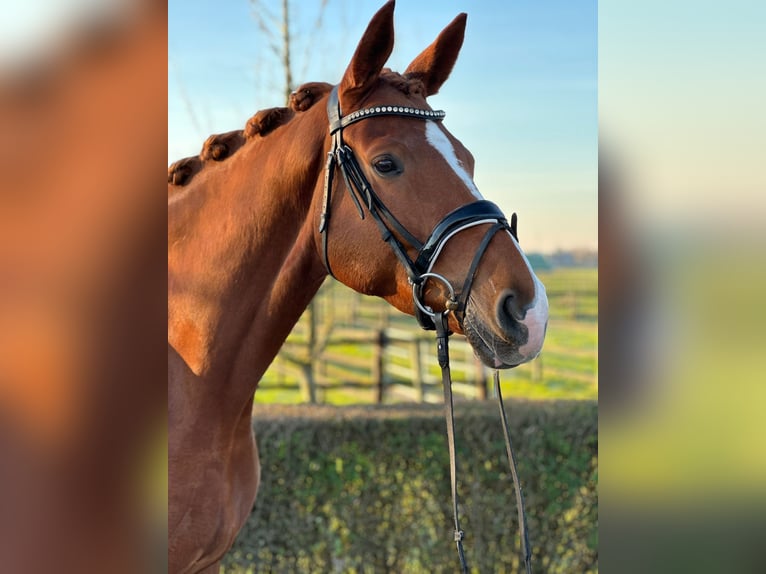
(341, 157)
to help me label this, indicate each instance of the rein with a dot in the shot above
(442, 353)
(341, 158)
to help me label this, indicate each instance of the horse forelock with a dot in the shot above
(409, 86)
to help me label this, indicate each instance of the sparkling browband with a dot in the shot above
(436, 115)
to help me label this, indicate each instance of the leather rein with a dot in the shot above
(419, 269)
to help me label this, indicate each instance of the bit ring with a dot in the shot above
(418, 287)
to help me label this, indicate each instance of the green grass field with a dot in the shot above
(570, 354)
(344, 334)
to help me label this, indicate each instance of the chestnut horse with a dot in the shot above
(258, 220)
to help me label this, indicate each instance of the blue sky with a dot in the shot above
(522, 96)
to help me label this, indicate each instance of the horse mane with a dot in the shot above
(219, 147)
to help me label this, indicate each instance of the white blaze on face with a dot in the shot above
(439, 140)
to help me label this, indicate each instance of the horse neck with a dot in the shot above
(242, 260)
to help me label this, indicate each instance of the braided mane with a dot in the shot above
(219, 147)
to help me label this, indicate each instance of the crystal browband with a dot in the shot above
(436, 115)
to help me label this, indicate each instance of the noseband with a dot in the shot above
(419, 269)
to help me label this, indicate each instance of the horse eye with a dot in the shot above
(385, 166)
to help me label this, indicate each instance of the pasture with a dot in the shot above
(352, 349)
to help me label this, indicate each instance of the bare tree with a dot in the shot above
(277, 32)
(276, 29)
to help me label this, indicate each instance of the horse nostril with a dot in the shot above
(509, 306)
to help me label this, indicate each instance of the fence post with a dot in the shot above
(377, 364)
(309, 382)
(537, 369)
(306, 384)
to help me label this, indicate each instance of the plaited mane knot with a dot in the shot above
(220, 146)
(181, 171)
(266, 121)
(306, 95)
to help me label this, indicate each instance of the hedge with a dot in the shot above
(366, 489)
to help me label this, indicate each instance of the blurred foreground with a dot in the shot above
(82, 276)
(681, 244)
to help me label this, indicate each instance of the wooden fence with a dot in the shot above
(371, 352)
(391, 363)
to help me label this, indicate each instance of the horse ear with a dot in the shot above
(434, 64)
(371, 54)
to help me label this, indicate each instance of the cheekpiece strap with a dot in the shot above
(333, 110)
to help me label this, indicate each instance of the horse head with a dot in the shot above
(400, 215)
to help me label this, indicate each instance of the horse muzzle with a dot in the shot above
(511, 334)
